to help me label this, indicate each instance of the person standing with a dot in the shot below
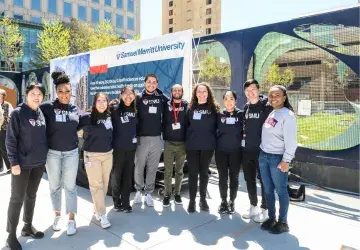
(228, 151)
(174, 148)
(26, 145)
(149, 105)
(62, 120)
(278, 147)
(124, 119)
(5, 110)
(200, 141)
(255, 112)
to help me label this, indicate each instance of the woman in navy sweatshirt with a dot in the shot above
(27, 147)
(98, 156)
(124, 120)
(62, 120)
(228, 150)
(200, 141)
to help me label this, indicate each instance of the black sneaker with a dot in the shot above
(268, 224)
(203, 205)
(231, 207)
(118, 207)
(166, 201)
(128, 209)
(29, 230)
(178, 200)
(223, 208)
(191, 207)
(279, 228)
(13, 243)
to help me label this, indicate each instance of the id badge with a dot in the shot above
(134, 140)
(176, 126)
(108, 125)
(152, 110)
(243, 143)
(59, 118)
(197, 116)
(88, 164)
(230, 120)
(125, 119)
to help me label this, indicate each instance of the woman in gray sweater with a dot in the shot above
(278, 146)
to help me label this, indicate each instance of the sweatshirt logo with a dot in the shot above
(223, 119)
(254, 115)
(145, 101)
(270, 122)
(38, 123)
(57, 111)
(32, 122)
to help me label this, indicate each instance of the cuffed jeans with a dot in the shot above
(62, 168)
(274, 179)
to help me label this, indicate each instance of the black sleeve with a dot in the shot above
(12, 138)
(84, 120)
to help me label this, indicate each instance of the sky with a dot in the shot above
(241, 14)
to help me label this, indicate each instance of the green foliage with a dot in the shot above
(104, 36)
(11, 42)
(80, 36)
(214, 70)
(274, 76)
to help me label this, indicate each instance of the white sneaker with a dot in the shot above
(138, 198)
(56, 223)
(149, 200)
(104, 221)
(71, 227)
(97, 217)
(253, 211)
(262, 216)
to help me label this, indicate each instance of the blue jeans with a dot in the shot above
(274, 179)
(62, 168)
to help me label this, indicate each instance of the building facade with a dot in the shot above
(203, 16)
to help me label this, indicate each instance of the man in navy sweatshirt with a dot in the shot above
(174, 148)
(150, 105)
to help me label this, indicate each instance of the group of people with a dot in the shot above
(126, 133)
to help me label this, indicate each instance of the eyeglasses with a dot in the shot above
(101, 101)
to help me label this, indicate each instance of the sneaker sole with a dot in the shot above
(178, 203)
(166, 205)
(260, 221)
(106, 226)
(71, 234)
(56, 229)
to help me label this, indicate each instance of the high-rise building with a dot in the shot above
(204, 16)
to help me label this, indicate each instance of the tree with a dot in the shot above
(11, 42)
(53, 42)
(274, 76)
(214, 70)
(104, 36)
(80, 36)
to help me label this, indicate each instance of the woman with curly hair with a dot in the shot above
(200, 141)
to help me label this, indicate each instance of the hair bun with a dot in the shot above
(60, 77)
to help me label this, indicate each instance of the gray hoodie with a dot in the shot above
(279, 134)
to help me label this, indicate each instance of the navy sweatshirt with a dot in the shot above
(124, 120)
(201, 128)
(254, 117)
(150, 109)
(97, 134)
(26, 141)
(229, 133)
(61, 125)
(169, 133)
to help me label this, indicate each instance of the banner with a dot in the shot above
(108, 70)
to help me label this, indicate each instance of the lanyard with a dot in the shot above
(244, 124)
(176, 113)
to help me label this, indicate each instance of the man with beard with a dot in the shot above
(174, 148)
(150, 104)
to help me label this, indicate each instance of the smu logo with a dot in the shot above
(270, 122)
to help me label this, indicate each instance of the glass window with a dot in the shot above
(129, 36)
(119, 21)
(131, 25)
(208, 1)
(95, 1)
(108, 2)
(19, 3)
(107, 16)
(19, 17)
(208, 31)
(170, 12)
(52, 6)
(171, 21)
(170, 30)
(94, 16)
(36, 19)
(67, 9)
(82, 13)
(119, 4)
(171, 4)
(35, 4)
(208, 11)
(208, 21)
(131, 6)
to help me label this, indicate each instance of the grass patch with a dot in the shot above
(321, 126)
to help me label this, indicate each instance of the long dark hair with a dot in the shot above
(284, 90)
(122, 104)
(95, 115)
(210, 100)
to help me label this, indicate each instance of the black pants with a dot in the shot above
(122, 175)
(250, 163)
(228, 165)
(23, 191)
(3, 152)
(198, 164)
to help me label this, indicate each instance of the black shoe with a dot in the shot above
(178, 200)
(128, 209)
(191, 207)
(118, 206)
(279, 228)
(268, 224)
(166, 201)
(231, 207)
(12, 243)
(29, 230)
(223, 208)
(203, 205)
(1, 169)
